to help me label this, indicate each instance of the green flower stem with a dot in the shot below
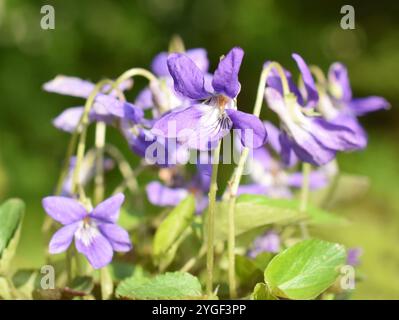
(332, 188)
(306, 169)
(211, 220)
(234, 183)
(236, 177)
(107, 284)
(135, 72)
(83, 124)
(318, 73)
(99, 178)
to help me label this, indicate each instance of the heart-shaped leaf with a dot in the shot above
(253, 211)
(305, 270)
(171, 285)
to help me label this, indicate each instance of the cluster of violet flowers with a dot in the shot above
(187, 110)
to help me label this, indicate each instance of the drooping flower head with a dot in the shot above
(202, 125)
(305, 133)
(340, 91)
(337, 104)
(95, 230)
(273, 178)
(106, 107)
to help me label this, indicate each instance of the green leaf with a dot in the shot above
(305, 270)
(318, 216)
(11, 215)
(253, 211)
(262, 292)
(172, 228)
(171, 285)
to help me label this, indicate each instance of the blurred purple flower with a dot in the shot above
(177, 188)
(269, 242)
(86, 174)
(339, 107)
(95, 231)
(201, 125)
(153, 149)
(341, 93)
(353, 257)
(271, 177)
(309, 136)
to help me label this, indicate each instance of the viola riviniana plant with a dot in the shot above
(177, 209)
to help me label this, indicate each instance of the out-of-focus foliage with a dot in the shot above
(94, 39)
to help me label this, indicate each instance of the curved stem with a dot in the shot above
(319, 74)
(211, 220)
(136, 72)
(262, 84)
(84, 121)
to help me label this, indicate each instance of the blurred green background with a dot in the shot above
(95, 39)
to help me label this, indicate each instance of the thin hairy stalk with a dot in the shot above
(107, 284)
(210, 234)
(136, 72)
(99, 177)
(319, 74)
(82, 138)
(236, 177)
(306, 169)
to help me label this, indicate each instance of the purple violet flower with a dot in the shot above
(162, 93)
(337, 105)
(106, 107)
(95, 231)
(202, 125)
(341, 92)
(270, 177)
(269, 242)
(306, 134)
(153, 149)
